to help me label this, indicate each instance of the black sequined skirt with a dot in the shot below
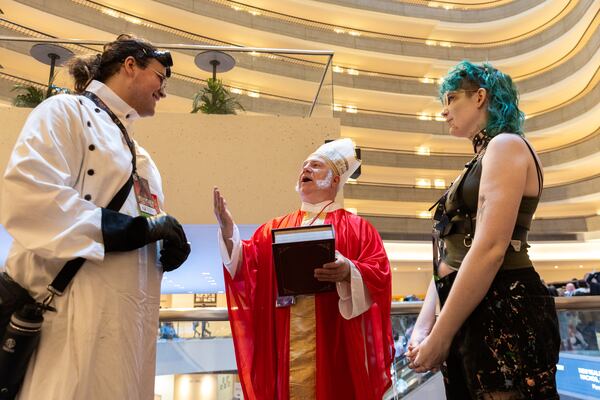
(510, 342)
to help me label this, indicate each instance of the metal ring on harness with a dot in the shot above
(468, 240)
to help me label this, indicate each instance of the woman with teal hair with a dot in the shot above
(496, 336)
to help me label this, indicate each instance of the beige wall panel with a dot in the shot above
(405, 283)
(254, 160)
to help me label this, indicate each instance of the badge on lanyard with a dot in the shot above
(147, 201)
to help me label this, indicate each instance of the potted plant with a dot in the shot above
(215, 99)
(34, 95)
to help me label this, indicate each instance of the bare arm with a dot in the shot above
(425, 320)
(503, 182)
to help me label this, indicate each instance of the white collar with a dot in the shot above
(116, 104)
(315, 208)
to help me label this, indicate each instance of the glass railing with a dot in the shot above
(264, 81)
(405, 380)
(196, 323)
(578, 370)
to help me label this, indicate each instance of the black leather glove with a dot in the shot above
(172, 256)
(125, 233)
(165, 227)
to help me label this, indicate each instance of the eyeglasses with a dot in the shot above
(161, 76)
(449, 96)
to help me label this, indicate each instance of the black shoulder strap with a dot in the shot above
(68, 271)
(538, 167)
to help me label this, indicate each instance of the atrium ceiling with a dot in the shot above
(389, 56)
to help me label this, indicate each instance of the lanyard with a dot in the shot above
(117, 121)
(317, 216)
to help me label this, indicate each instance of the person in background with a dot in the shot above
(496, 336)
(73, 155)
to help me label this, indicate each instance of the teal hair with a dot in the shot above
(503, 98)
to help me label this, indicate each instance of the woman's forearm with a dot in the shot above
(474, 279)
(426, 317)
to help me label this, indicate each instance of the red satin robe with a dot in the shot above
(261, 331)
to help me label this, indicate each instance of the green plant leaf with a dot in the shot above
(214, 98)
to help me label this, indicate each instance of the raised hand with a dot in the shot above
(222, 214)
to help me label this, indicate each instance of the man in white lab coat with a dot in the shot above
(73, 155)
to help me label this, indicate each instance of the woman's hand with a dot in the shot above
(430, 354)
(417, 336)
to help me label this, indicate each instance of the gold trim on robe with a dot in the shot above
(303, 344)
(303, 335)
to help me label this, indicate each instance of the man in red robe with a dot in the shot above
(333, 345)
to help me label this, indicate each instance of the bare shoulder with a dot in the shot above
(506, 141)
(507, 147)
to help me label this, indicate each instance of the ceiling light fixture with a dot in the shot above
(423, 183)
(110, 12)
(423, 151)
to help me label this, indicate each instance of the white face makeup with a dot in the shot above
(316, 180)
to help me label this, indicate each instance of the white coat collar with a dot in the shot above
(315, 208)
(117, 105)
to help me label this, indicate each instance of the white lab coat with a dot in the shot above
(101, 344)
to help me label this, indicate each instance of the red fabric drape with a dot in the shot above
(261, 331)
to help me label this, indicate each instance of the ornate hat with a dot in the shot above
(340, 155)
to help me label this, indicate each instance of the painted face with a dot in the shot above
(462, 112)
(315, 175)
(149, 87)
(317, 181)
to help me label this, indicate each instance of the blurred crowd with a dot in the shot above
(588, 286)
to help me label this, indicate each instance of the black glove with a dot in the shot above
(172, 256)
(165, 227)
(124, 233)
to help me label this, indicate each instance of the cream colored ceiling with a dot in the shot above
(360, 19)
(533, 102)
(558, 92)
(368, 60)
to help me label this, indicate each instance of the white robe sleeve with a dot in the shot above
(39, 206)
(354, 295)
(231, 261)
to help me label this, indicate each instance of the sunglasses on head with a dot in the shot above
(163, 57)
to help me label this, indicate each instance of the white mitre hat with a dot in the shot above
(340, 155)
